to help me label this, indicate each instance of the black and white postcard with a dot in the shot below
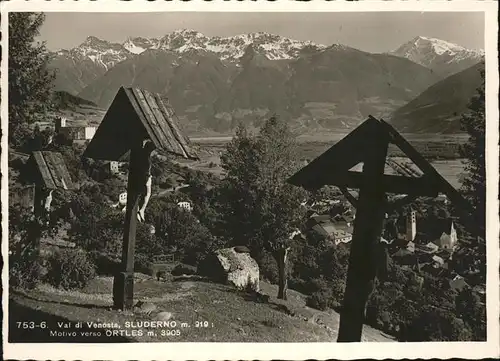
(250, 180)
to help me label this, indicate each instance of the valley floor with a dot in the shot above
(222, 314)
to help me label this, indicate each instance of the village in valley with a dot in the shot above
(125, 209)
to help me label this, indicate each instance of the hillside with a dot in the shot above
(331, 89)
(64, 100)
(439, 108)
(232, 316)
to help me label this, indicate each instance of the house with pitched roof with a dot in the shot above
(77, 131)
(458, 283)
(324, 226)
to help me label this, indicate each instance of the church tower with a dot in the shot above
(411, 225)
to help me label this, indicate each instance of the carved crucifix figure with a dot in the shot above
(43, 201)
(48, 201)
(145, 178)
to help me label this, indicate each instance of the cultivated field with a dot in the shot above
(440, 150)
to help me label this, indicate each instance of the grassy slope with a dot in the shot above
(439, 108)
(235, 318)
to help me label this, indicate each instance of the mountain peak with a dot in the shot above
(439, 46)
(94, 41)
(438, 54)
(187, 32)
(101, 52)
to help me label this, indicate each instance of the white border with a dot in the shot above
(284, 351)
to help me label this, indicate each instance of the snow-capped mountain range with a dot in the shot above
(215, 80)
(227, 48)
(442, 56)
(433, 53)
(107, 54)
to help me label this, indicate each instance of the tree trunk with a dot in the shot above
(282, 258)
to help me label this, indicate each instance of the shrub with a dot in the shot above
(69, 269)
(319, 300)
(338, 290)
(143, 263)
(437, 325)
(182, 231)
(298, 284)
(24, 263)
(24, 271)
(268, 268)
(183, 269)
(105, 264)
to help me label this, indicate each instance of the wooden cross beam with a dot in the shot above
(389, 183)
(352, 199)
(389, 207)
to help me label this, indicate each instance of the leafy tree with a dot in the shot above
(95, 225)
(179, 232)
(30, 81)
(260, 209)
(474, 183)
(435, 324)
(472, 311)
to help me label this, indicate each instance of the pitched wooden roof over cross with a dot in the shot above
(134, 115)
(49, 170)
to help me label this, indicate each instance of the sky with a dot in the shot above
(368, 31)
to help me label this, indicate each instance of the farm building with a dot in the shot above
(428, 248)
(325, 227)
(185, 205)
(77, 131)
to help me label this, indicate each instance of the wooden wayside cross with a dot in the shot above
(368, 144)
(140, 122)
(48, 172)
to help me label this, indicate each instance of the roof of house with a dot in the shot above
(134, 115)
(402, 252)
(340, 233)
(458, 283)
(321, 218)
(319, 229)
(438, 259)
(324, 225)
(50, 170)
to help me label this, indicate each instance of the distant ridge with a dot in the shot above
(439, 108)
(217, 82)
(64, 100)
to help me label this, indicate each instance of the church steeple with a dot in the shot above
(411, 225)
